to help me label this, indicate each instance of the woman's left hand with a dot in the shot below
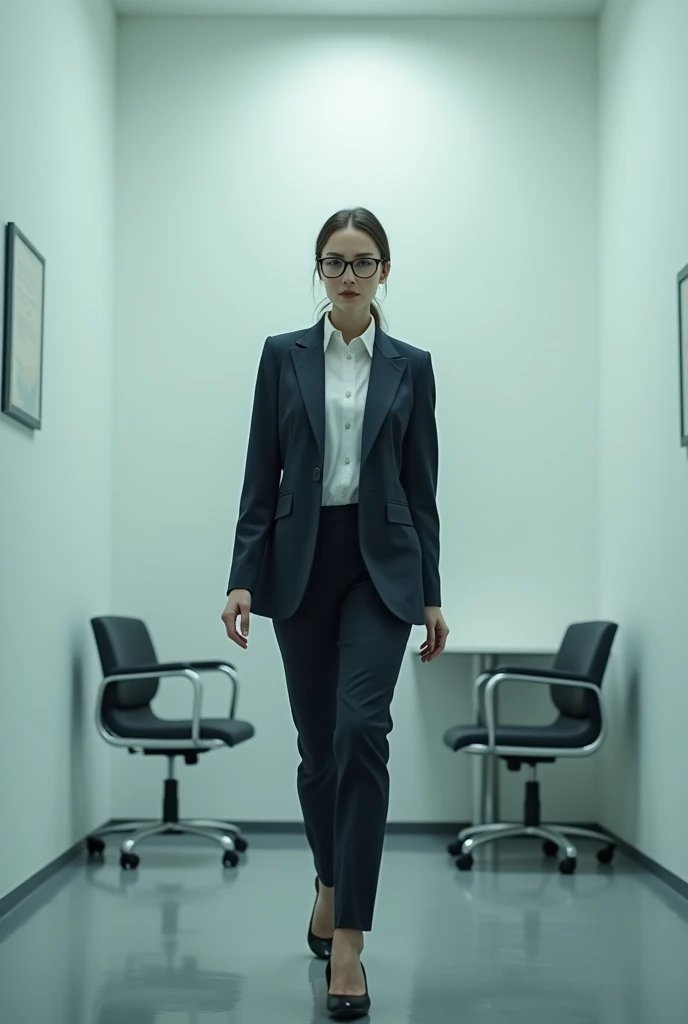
(438, 631)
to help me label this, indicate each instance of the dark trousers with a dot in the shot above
(342, 651)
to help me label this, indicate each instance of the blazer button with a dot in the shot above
(316, 474)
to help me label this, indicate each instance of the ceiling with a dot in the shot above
(365, 8)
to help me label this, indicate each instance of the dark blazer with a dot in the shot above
(397, 512)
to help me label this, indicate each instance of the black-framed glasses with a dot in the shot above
(365, 266)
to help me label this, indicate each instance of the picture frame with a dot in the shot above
(682, 279)
(22, 380)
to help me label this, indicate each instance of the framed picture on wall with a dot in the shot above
(22, 381)
(683, 351)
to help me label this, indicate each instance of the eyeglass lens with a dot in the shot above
(333, 267)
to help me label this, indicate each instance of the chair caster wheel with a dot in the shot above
(464, 862)
(240, 844)
(454, 849)
(128, 861)
(606, 855)
(230, 859)
(549, 848)
(567, 866)
(95, 847)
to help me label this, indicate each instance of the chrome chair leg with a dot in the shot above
(472, 830)
(225, 826)
(487, 835)
(552, 833)
(583, 833)
(225, 841)
(481, 837)
(144, 833)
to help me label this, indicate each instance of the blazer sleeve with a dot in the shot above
(261, 478)
(420, 456)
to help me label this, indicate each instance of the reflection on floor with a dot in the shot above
(184, 940)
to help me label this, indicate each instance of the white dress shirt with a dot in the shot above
(347, 373)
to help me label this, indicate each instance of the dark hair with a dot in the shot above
(366, 221)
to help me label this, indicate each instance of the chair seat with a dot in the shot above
(142, 723)
(565, 732)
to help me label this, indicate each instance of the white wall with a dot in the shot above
(56, 183)
(475, 142)
(478, 147)
(643, 471)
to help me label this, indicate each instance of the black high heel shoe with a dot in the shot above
(322, 948)
(346, 1007)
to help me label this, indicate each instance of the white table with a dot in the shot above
(484, 658)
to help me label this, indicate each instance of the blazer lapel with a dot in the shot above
(386, 371)
(308, 356)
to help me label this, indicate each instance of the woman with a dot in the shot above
(342, 553)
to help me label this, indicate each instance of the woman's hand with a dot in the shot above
(238, 603)
(438, 631)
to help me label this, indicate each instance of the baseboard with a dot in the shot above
(27, 888)
(17, 896)
(668, 877)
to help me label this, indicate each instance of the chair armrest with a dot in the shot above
(478, 694)
(547, 677)
(130, 674)
(514, 670)
(175, 668)
(527, 670)
(162, 667)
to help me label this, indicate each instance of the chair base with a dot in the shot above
(556, 836)
(479, 835)
(227, 835)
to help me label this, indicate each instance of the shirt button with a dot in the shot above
(347, 461)
(349, 356)
(316, 474)
(347, 426)
(348, 394)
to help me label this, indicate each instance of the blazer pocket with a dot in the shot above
(284, 503)
(398, 512)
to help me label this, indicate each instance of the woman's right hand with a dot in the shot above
(238, 603)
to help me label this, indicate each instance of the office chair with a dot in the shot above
(124, 718)
(575, 682)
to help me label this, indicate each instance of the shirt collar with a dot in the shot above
(368, 336)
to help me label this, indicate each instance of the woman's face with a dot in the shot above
(352, 243)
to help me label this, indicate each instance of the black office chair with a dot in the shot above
(575, 682)
(125, 718)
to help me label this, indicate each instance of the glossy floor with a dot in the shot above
(182, 940)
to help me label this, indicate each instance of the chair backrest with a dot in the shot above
(584, 650)
(122, 643)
